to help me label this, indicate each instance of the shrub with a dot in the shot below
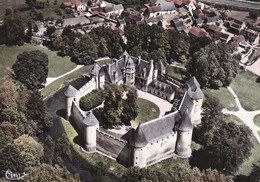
(91, 100)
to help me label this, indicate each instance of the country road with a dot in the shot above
(237, 3)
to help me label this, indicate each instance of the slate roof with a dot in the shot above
(95, 70)
(194, 90)
(90, 120)
(143, 69)
(160, 66)
(154, 9)
(163, 87)
(185, 123)
(71, 91)
(178, 25)
(153, 130)
(186, 104)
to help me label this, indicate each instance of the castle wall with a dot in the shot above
(155, 151)
(87, 88)
(78, 116)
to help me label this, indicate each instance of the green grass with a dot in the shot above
(93, 159)
(146, 111)
(226, 100)
(257, 120)
(56, 85)
(247, 90)
(177, 73)
(57, 65)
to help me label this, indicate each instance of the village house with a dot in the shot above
(159, 8)
(213, 20)
(76, 4)
(153, 20)
(197, 32)
(114, 10)
(251, 35)
(178, 24)
(237, 41)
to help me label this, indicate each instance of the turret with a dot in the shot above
(184, 130)
(90, 134)
(130, 72)
(70, 96)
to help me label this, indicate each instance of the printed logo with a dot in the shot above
(14, 175)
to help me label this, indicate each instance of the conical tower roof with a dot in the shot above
(71, 91)
(90, 120)
(185, 123)
(138, 138)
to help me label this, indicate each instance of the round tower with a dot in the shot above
(90, 133)
(183, 144)
(138, 143)
(70, 96)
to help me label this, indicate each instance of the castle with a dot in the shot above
(152, 141)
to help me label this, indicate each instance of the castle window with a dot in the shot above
(136, 157)
(151, 143)
(136, 163)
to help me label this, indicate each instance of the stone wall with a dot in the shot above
(78, 116)
(156, 151)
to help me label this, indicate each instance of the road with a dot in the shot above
(237, 3)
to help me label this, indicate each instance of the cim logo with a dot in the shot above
(14, 175)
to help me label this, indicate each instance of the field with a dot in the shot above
(247, 90)
(146, 111)
(57, 65)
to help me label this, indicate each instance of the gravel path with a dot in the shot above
(246, 116)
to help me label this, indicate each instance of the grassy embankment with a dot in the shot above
(57, 65)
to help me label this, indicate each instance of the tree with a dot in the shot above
(108, 42)
(49, 147)
(46, 172)
(213, 67)
(31, 68)
(10, 158)
(84, 51)
(13, 29)
(35, 28)
(255, 173)
(179, 45)
(254, 14)
(130, 107)
(31, 151)
(37, 111)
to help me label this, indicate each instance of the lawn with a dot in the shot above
(57, 65)
(56, 85)
(247, 90)
(257, 120)
(176, 73)
(146, 111)
(226, 100)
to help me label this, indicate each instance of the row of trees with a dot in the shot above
(84, 49)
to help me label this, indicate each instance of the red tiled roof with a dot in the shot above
(180, 2)
(199, 13)
(67, 4)
(197, 32)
